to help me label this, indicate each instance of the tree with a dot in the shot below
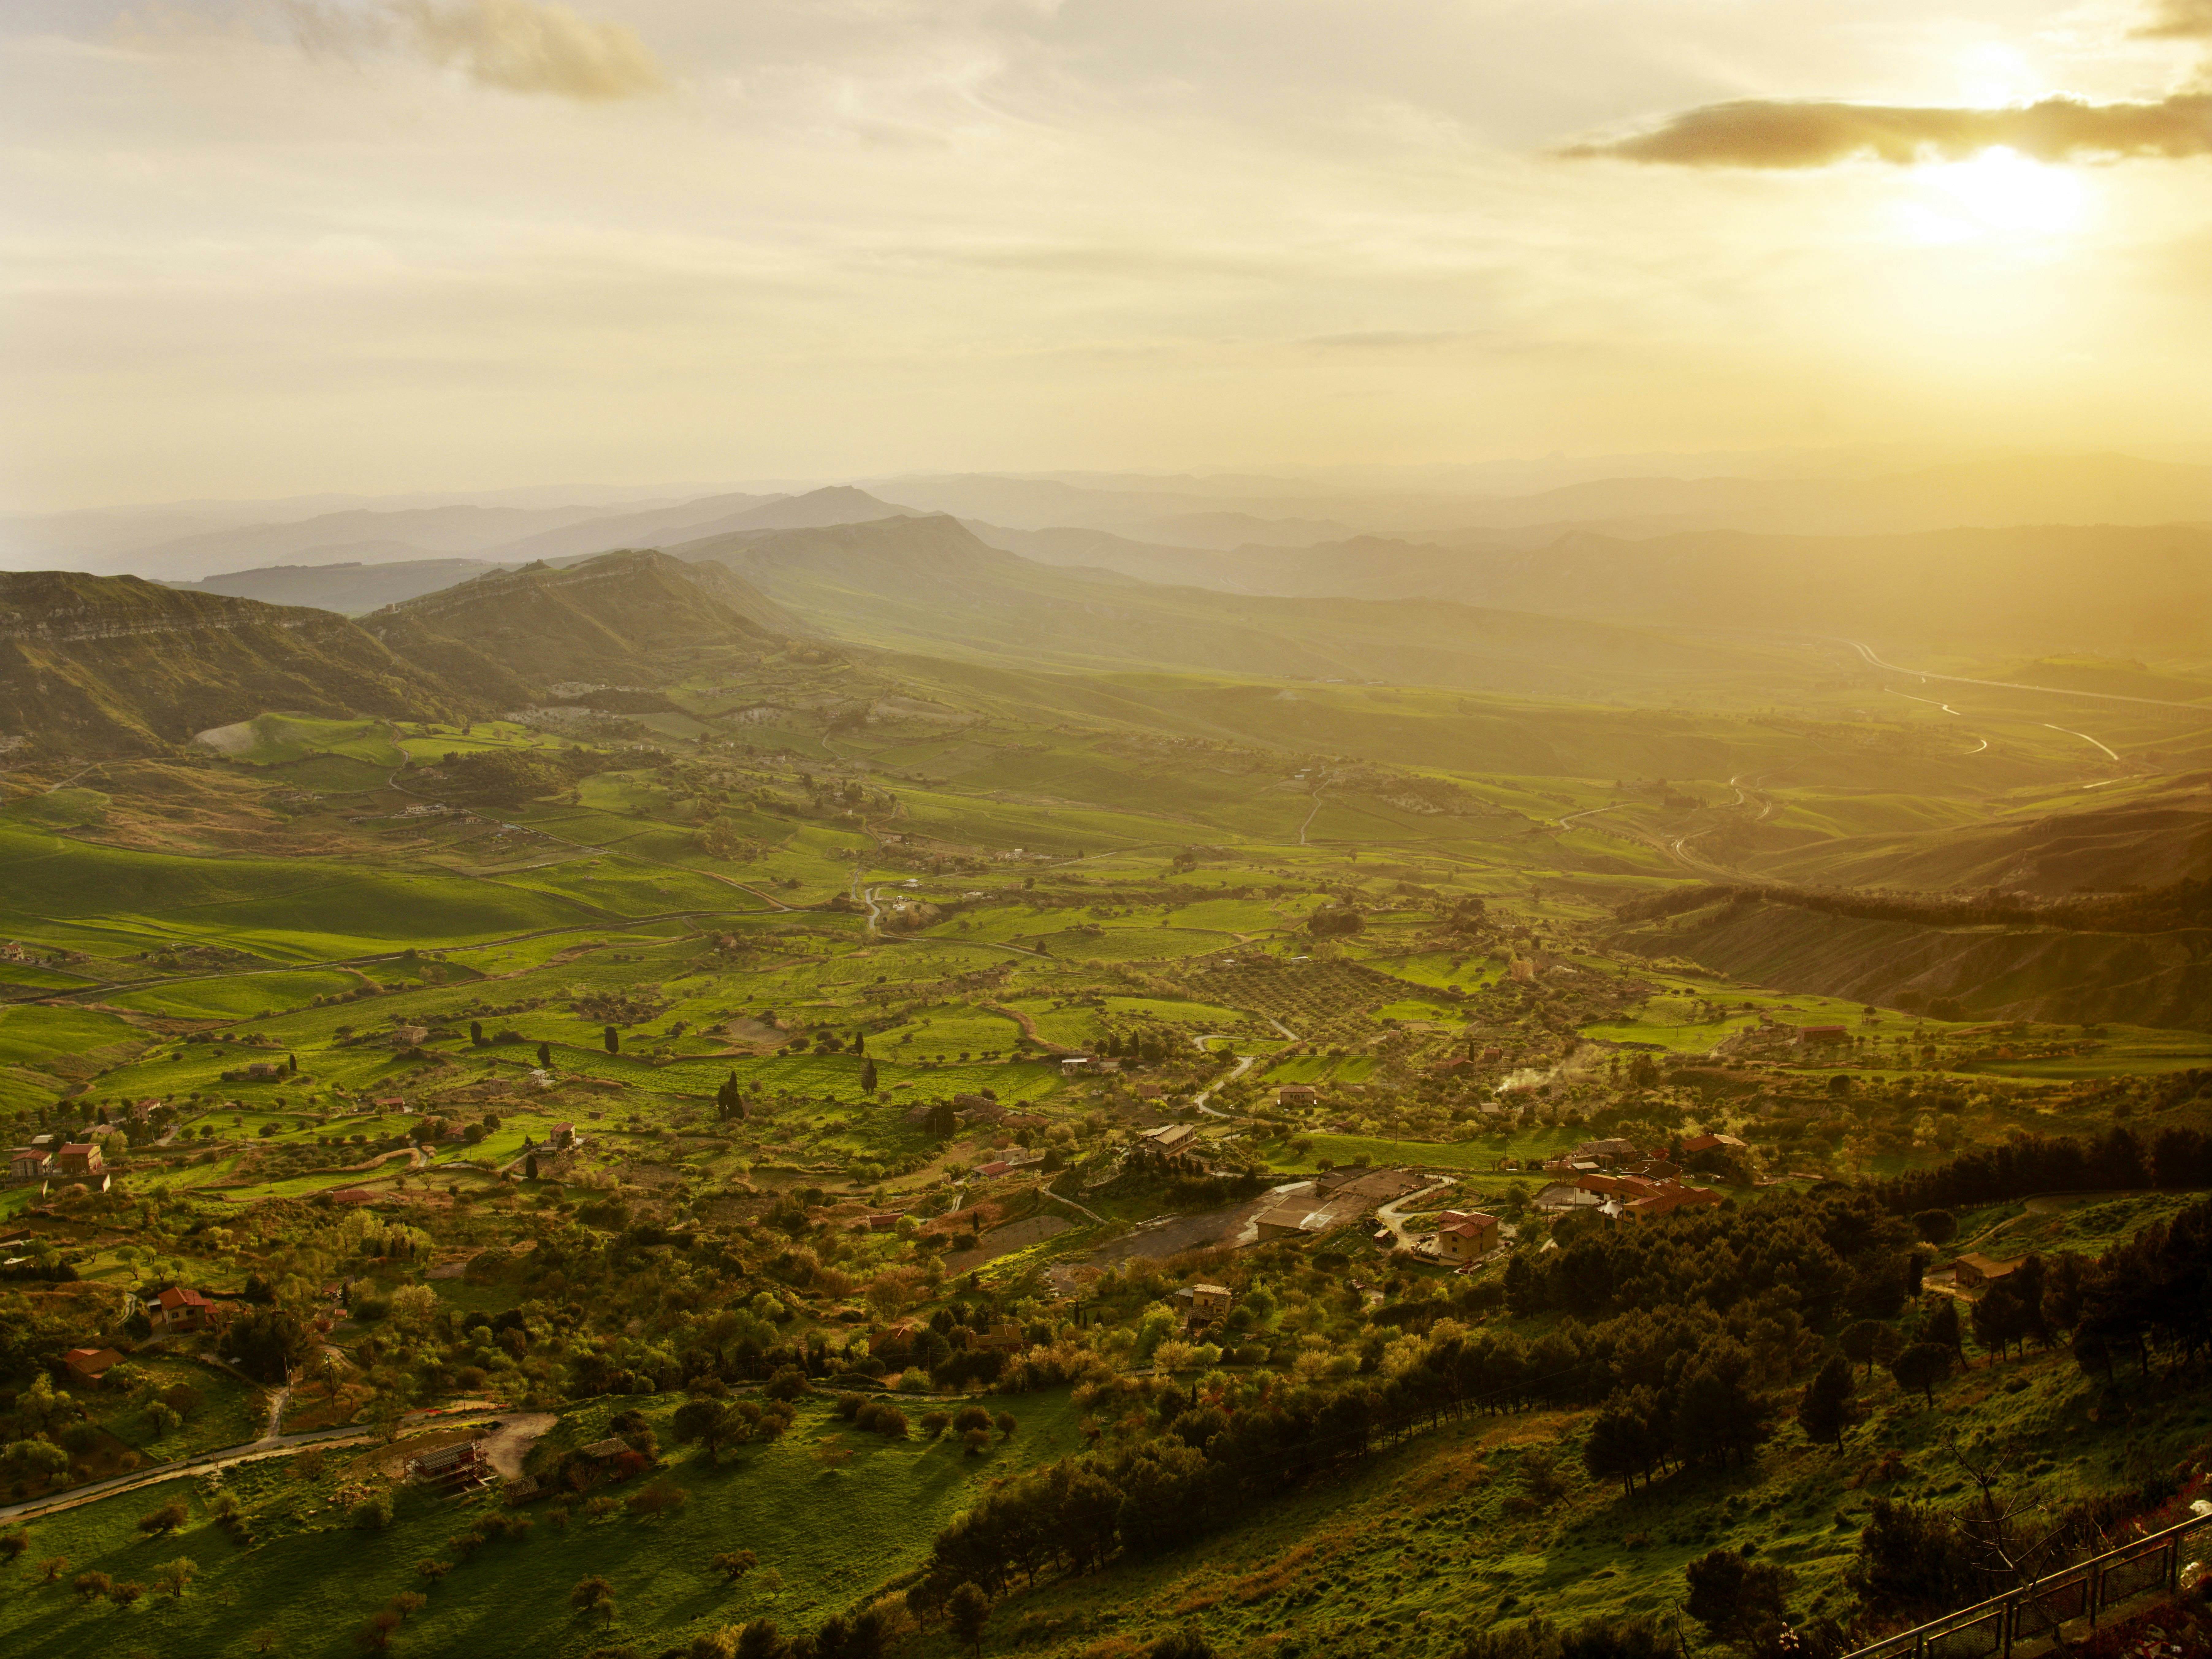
(2000, 1318)
(1936, 1227)
(1733, 1596)
(529, 1167)
(612, 1039)
(476, 1033)
(760, 1639)
(1858, 1341)
(1942, 1327)
(1628, 1437)
(90, 1586)
(968, 1610)
(265, 1640)
(166, 1520)
(1921, 1366)
(433, 1569)
(867, 1076)
(1911, 1561)
(593, 1593)
(1828, 1410)
(544, 1056)
(734, 1565)
(713, 1423)
(175, 1578)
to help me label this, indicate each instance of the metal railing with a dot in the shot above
(2034, 1612)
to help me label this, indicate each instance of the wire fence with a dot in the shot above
(2034, 1613)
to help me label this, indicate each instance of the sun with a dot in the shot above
(2000, 192)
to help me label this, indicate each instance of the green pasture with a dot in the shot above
(278, 739)
(832, 1513)
(241, 996)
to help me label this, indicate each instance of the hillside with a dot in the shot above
(930, 585)
(2151, 840)
(1996, 972)
(2131, 588)
(621, 619)
(112, 664)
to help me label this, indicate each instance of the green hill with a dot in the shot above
(628, 617)
(102, 664)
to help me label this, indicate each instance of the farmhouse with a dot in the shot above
(1296, 1094)
(1465, 1234)
(177, 1310)
(80, 1158)
(28, 1164)
(1567, 1195)
(1605, 1153)
(562, 1137)
(88, 1366)
(1697, 1143)
(1293, 1221)
(1171, 1146)
(453, 1469)
(1202, 1304)
(1973, 1271)
(1819, 1036)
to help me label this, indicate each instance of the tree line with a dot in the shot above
(2175, 1159)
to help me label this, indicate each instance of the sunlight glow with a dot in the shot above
(1999, 193)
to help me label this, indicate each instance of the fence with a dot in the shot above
(2034, 1612)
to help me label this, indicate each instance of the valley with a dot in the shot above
(832, 1020)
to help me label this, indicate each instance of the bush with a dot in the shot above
(878, 1416)
(373, 1512)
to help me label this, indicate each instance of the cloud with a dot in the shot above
(1757, 132)
(517, 45)
(2179, 20)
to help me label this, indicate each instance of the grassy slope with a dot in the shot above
(835, 1512)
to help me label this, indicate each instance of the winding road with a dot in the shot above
(1867, 652)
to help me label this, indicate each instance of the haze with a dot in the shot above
(260, 249)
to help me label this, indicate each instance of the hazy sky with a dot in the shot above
(254, 247)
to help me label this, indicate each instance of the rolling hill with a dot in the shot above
(114, 665)
(2152, 840)
(2119, 587)
(930, 586)
(627, 617)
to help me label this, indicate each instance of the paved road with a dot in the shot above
(246, 1452)
(1867, 652)
(1391, 1215)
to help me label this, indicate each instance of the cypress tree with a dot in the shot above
(613, 1038)
(544, 1056)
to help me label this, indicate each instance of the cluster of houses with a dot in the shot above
(1623, 1182)
(77, 1161)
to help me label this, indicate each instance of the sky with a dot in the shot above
(263, 247)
